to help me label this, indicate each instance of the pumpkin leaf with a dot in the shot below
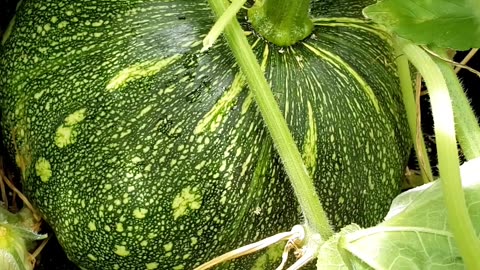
(329, 256)
(444, 23)
(414, 235)
(16, 237)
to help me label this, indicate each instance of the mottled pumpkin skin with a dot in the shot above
(143, 153)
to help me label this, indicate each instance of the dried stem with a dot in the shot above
(467, 58)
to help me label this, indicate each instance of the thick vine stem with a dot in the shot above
(315, 216)
(410, 107)
(282, 22)
(466, 123)
(458, 218)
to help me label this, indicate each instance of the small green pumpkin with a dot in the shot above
(142, 152)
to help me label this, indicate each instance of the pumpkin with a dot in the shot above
(142, 152)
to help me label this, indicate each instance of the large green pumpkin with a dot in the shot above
(142, 152)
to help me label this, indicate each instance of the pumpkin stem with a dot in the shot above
(303, 186)
(282, 22)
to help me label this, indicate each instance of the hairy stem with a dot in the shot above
(303, 186)
(466, 123)
(410, 107)
(449, 166)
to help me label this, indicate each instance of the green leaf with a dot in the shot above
(16, 236)
(415, 233)
(329, 257)
(444, 23)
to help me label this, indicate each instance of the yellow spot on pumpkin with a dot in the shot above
(200, 165)
(62, 24)
(76, 117)
(194, 240)
(65, 136)
(91, 226)
(66, 133)
(168, 247)
(152, 265)
(188, 200)
(136, 160)
(212, 120)
(138, 71)
(223, 200)
(43, 169)
(121, 251)
(91, 257)
(310, 145)
(179, 267)
(39, 94)
(273, 254)
(119, 227)
(145, 111)
(97, 24)
(247, 102)
(140, 213)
